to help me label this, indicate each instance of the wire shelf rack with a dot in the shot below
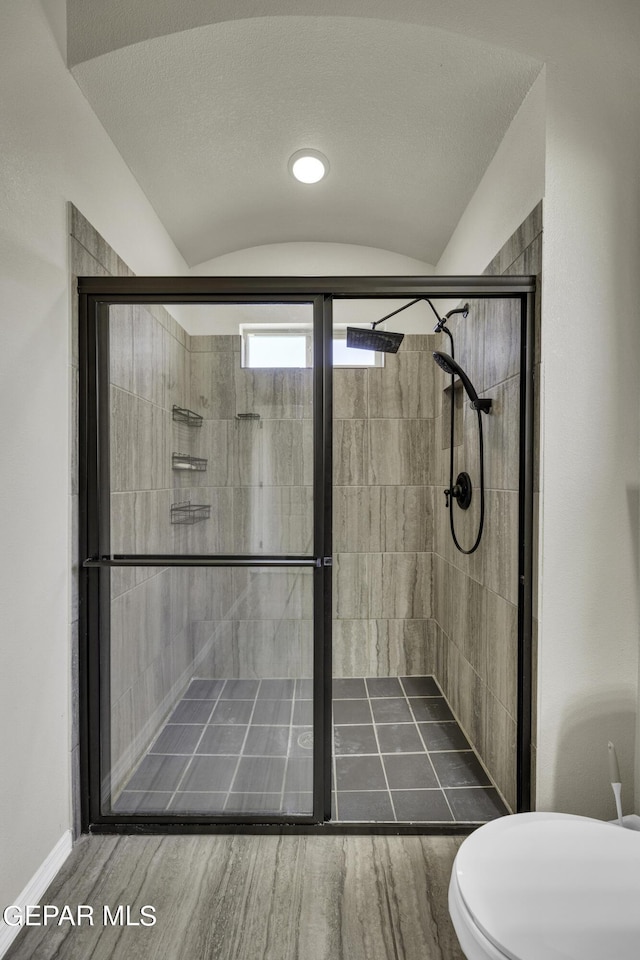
(184, 461)
(182, 415)
(187, 512)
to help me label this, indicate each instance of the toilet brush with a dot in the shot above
(616, 783)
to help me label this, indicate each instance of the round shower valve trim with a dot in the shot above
(461, 491)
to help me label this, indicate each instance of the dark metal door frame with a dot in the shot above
(96, 294)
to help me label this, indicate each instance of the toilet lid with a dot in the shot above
(554, 887)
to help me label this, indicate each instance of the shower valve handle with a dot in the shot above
(460, 491)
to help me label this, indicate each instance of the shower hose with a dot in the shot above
(451, 498)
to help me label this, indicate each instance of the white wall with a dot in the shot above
(575, 141)
(591, 359)
(511, 187)
(53, 150)
(311, 260)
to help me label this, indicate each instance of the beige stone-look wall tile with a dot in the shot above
(149, 373)
(469, 337)
(177, 373)
(121, 345)
(272, 452)
(384, 648)
(350, 452)
(466, 618)
(402, 452)
(253, 648)
(444, 422)
(272, 594)
(425, 342)
(404, 387)
(353, 654)
(371, 519)
(502, 650)
(403, 647)
(502, 343)
(212, 387)
(351, 586)
(273, 520)
(465, 692)
(140, 628)
(285, 394)
(215, 344)
(138, 451)
(406, 518)
(499, 747)
(357, 519)
(210, 593)
(350, 392)
(502, 436)
(399, 586)
(501, 563)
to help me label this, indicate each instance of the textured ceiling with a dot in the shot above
(409, 117)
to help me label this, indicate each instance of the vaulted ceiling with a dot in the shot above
(207, 117)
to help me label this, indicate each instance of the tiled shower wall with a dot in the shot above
(385, 465)
(259, 481)
(475, 597)
(151, 642)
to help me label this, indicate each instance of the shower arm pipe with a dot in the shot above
(399, 310)
(439, 327)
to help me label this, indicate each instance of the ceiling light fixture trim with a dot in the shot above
(308, 166)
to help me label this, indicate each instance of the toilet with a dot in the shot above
(547, 886)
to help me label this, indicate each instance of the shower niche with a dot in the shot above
(279, 626)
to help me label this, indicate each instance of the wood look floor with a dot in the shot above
(255, 898)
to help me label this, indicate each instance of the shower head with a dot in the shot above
(360, 338)
(450, 366)
(383, 340)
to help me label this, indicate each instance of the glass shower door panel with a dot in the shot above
(208, 455)
(208, 697)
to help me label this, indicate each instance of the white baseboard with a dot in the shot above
(35, 889)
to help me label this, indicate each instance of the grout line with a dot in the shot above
(193, 754)
(427, 752)
(375, 733)
(334, 765)
(241, 751)
(289, 744)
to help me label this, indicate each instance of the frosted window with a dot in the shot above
(277, 351)
(344, 356)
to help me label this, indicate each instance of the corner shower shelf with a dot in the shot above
(187, 512)
(184, 461)
(182, 415)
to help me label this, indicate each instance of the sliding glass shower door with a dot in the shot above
(205, 483)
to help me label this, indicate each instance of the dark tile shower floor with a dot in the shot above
(245, 746)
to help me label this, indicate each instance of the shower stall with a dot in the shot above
(278, 626)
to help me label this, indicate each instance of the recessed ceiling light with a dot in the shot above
(308, 166)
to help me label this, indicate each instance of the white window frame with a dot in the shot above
(247, 330)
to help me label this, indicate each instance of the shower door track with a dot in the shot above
(96, 294)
